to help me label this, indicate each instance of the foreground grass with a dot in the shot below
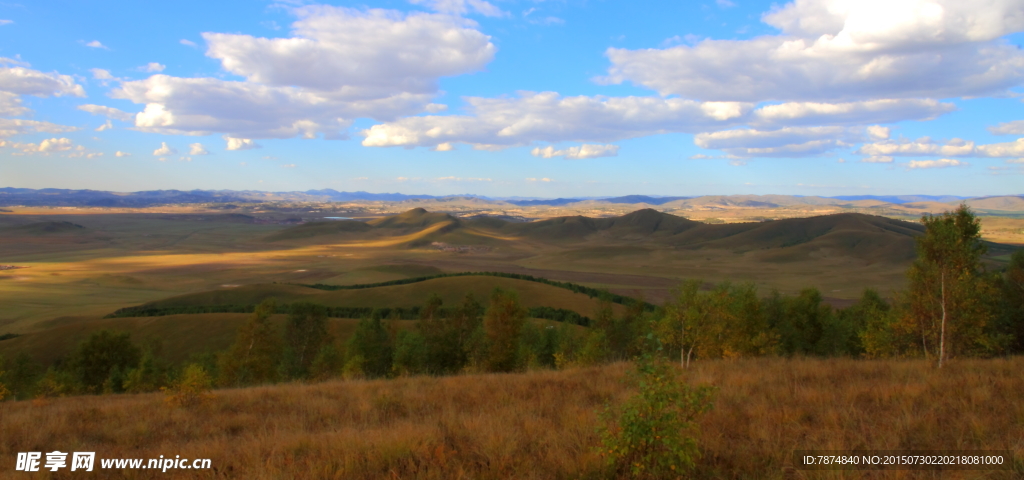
(541, 425)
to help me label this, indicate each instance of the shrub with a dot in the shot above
(653, 434)
(191, 388)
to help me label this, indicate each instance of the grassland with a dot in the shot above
(542, 425)
(123, 259)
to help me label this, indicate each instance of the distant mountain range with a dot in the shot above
(96, 198)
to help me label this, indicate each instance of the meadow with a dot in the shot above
(541, 424)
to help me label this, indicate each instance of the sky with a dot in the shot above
(533, 98)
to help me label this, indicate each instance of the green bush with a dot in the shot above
(653, 434)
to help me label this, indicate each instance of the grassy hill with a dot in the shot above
(45, 228)
(450, 289)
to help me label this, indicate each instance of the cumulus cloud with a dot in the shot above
(539, 180)
(1015, 127)
(197, 149)
(495, 123)
(96, 44)
(10, 105)
(921, 146)
(577, 153)
(784, 142)
(153, 67)
(10, 127)
(240, 143)
(849, 113)
(108, 112)
(461, 7)
(122, 154)
(880, 159)
(840, 50)
(953, 148)
(187, 43)
(106, 126)
(940, 163)
(339, 64)
(444, 147)
(164, 150)
(20, 80)
(55, 145)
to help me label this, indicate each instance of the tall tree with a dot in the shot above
(372, 343)
(254, 357)
(305, 334)
(948, 295)
(103, 355)
(503, 324)
(1011, 305)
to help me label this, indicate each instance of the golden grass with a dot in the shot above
(541, 425)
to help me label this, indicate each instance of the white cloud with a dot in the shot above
(496, 123)
(461, 7)
(108, 112)
(539, 180)
(96, 44)
(952, 148)
(941, 163)
(10, 127)
(164, 150)
(184, 159)
(105, 126)
(288, 165)
(725, 3)
(188, 43)
(1015, 160)
(1008, 149)
(877, 132)
(444, 147)
(340, 64)
(841, 50)
(880, 159)
(6, 22)
(55, 145)
(25, 81)
(152, 67)
(1015, 127)
(197, 149)
(241, 143)
(577, 153)
(849, 113)
(94, 155)
(10, 105)
(122, 154)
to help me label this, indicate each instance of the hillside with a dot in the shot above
(451, 290)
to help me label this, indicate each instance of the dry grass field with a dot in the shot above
(541, 424)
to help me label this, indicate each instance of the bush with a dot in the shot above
(191, 388)
(653, 434)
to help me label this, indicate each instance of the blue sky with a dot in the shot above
(529, 98)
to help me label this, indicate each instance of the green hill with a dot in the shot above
(46, 228)
(451, 290)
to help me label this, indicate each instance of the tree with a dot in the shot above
(371, 345)
(948, 295)
(256, 353)
(1011, 305)
(503, 324)
(305, 334)
(104, 355)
